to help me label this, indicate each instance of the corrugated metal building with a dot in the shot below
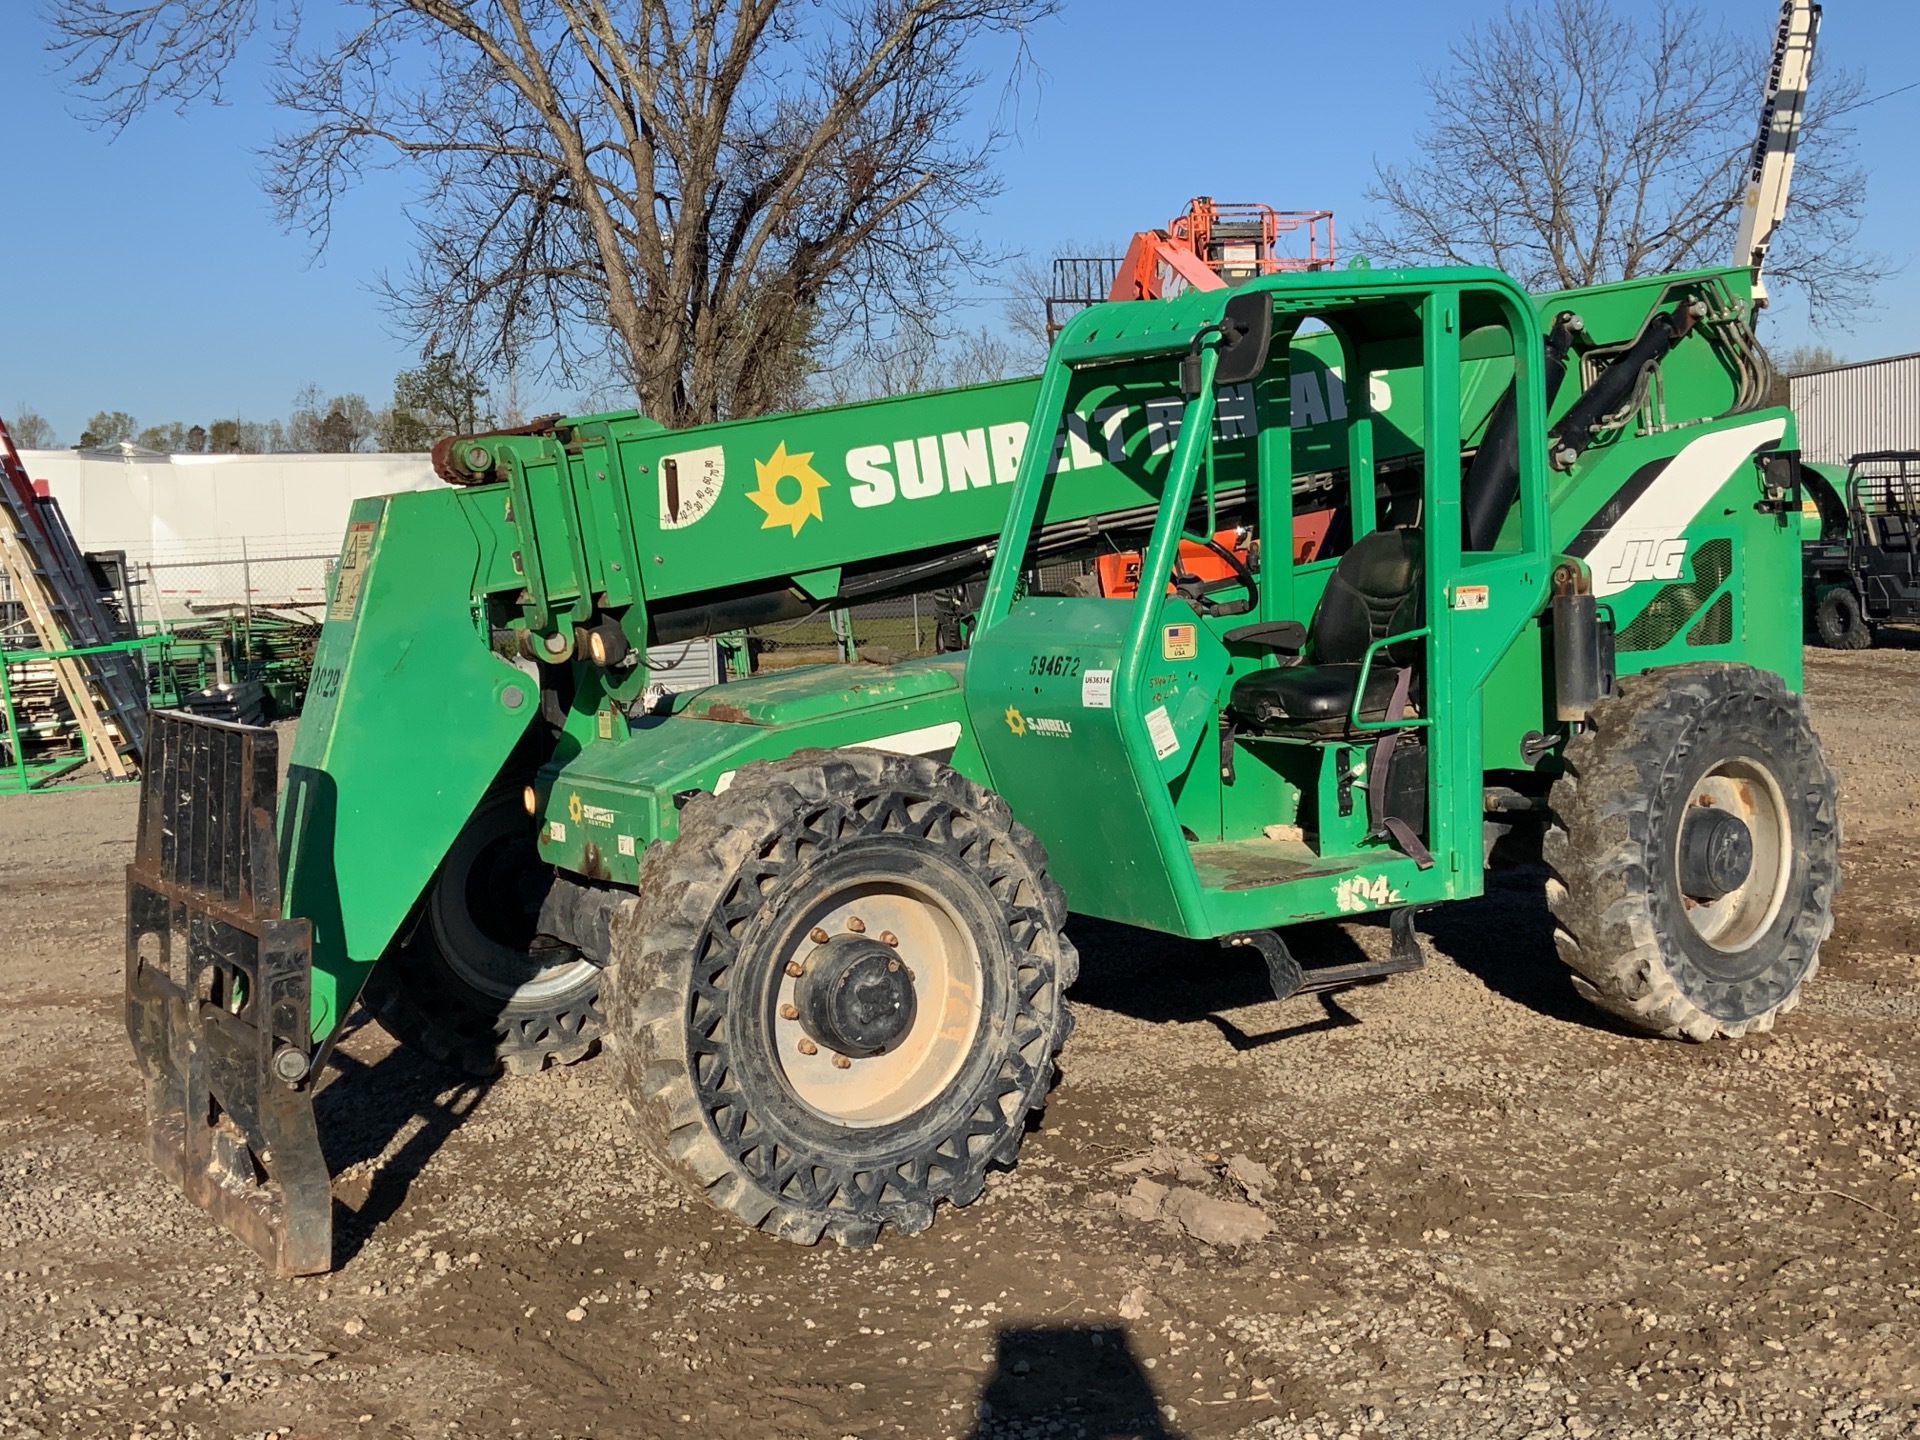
(1872, 405)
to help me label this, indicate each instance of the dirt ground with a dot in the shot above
(1494, 1213)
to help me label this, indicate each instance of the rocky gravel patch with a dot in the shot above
(1457, 1204)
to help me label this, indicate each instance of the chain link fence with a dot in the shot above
(899, 627)
(163, 594)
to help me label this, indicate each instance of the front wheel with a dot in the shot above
(1694, 851)
(842, 994)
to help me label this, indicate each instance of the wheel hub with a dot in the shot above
(855, 996)
(1716, 853)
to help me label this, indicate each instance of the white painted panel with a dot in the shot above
(927, 740)
(184, 508)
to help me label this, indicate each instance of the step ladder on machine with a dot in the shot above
(107, 692)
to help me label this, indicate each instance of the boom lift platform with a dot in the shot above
(1208, 246)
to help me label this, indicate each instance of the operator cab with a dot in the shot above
(1323, 556)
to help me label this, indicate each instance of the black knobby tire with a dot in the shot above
(1839, 622)
(716, 1076)
(468, 984)
(1671, 742)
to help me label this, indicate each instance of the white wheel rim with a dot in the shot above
(1745, 789)
(949, 990)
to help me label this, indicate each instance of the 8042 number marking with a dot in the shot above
(1064, 667)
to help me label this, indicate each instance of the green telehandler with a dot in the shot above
(818, 917)
(1305, 599)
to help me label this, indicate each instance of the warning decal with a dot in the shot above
(353, 570)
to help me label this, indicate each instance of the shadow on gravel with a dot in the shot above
(1068, 1379)
(1505, 941)
(1163, 979)
(1896, 637)
(361, 1111)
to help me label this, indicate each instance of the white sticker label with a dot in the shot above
(1470, 597)
(556, 832)
(1096, 689)
(689, 484)
(626, 844)
(1160, 731)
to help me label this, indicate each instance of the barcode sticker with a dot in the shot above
(1160, 731)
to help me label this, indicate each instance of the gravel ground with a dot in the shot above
(1488, 1212)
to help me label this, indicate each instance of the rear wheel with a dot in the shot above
(841, 996)
(1840, 623)
(1694, 851)
(473, 985)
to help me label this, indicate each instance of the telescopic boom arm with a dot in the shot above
(1782, 113)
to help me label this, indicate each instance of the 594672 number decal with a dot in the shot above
(1063, 666)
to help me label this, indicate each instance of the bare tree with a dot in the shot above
(31, 430)
(1571, 144)
(1028, 285)
(690, 195)
(1024, 309)
(918, 360)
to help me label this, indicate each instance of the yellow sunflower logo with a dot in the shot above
(573, 808)
(781, 466)
(1016, 722)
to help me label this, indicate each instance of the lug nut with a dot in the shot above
(789, 1012)
(796, 969)
(856, 925)
(807, 1047)
(817, 935)
(893, 965)
(887, 937)
(841, 1062)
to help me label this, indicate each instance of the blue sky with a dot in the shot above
(145, 273)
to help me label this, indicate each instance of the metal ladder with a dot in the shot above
(106, 692)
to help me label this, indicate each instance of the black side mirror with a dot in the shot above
(1246, 332)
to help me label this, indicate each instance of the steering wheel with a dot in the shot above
(1195, 590)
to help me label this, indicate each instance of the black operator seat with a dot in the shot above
(1374, 592)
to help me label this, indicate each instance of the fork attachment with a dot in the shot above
(218, 992)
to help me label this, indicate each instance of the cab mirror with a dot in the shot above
(1246, 331)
